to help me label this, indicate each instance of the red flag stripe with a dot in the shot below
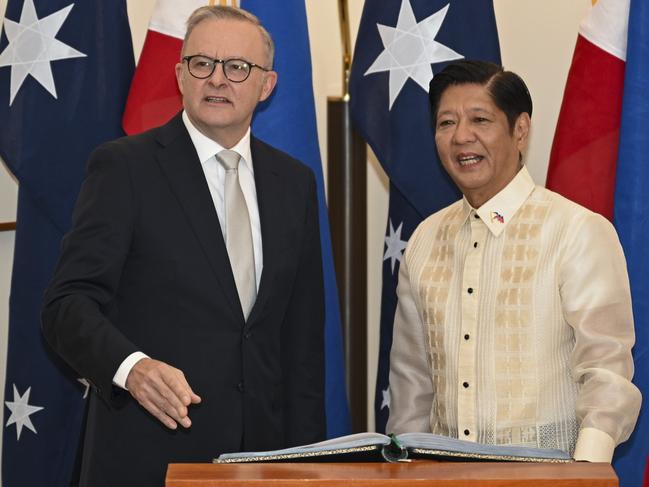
(584, 151)
(153, 97)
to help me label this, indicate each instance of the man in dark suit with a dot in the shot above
(189, 291)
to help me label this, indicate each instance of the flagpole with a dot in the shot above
(343, 14)
(346, 176)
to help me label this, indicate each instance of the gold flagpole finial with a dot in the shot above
(343, 15)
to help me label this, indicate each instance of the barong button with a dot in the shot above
(467, 336)
(467, 432)
(465, 385)
(470, 290)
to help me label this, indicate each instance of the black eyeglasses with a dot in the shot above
(235, 70)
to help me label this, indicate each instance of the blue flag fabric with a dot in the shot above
(630, 217)
(64, 74)
(400, 45)
(287, 121)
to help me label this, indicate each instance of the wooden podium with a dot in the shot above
(417, 473)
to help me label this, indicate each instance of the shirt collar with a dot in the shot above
(499, 210)
(207, 148)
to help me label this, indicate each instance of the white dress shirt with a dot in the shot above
(206, 149)
(514, 326)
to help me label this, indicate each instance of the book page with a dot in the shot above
(334, 445)
(429, 441)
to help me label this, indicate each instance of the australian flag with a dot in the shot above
(401, 44)
(64, 72)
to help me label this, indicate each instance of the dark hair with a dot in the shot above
(507, 89)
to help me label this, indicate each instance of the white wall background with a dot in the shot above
(537, 40)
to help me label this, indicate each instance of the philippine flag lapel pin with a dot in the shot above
(495, 216)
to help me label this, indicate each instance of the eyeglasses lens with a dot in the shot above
(234, 69)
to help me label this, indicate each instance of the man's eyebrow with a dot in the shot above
(472, 110)
(444, 112)
(480, 109)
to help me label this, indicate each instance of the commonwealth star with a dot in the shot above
(33, 46)
(410, 49)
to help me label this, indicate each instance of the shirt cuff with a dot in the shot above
(594, 445)
(119, 379)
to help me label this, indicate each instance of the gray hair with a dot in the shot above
(219, 12)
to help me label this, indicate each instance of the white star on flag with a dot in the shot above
(410, 49)
(20, 411)
(386, 398)
(33, 46)
(394, 245)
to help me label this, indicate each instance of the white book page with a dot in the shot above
(342, 442)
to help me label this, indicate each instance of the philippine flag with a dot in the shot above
(584, 152)
(599, 159)
(154, 97)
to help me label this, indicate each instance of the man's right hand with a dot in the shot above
(163, 391)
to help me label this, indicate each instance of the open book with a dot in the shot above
(377, 447)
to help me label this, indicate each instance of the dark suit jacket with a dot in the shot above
(145, 268)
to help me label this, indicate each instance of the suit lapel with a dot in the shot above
(269, 195)
(179, 162)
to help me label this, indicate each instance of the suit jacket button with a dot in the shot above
(240, 386)
(247, 335)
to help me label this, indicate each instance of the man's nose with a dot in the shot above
(463, 132)
(218, 75)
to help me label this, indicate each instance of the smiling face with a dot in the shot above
(475, 143)
(220, 109)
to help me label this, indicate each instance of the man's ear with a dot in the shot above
(270, 80)
(522, 130)
(179, 76)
